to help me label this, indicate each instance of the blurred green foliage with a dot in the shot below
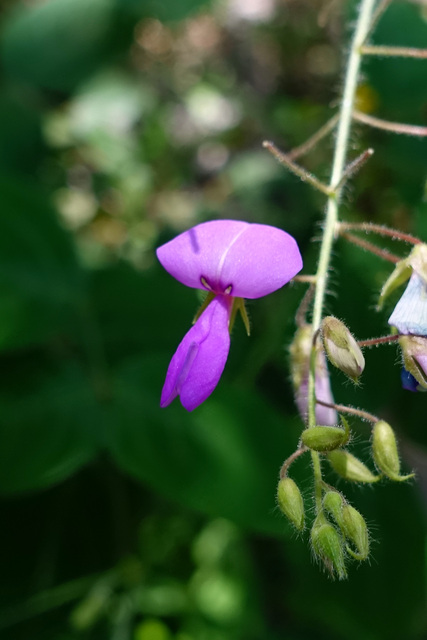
(123, 122)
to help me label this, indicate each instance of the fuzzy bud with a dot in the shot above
(290, 502)
(350, 468)
(351, 523)
(386, 456)
(341, 348)
(328, 547)
(322, 438)
(355, 530)
(333, 502)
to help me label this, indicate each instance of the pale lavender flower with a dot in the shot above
(229, 259)
(300, 366)
(409, 317)
(410, 314)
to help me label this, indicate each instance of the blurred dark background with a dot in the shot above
(122, 123)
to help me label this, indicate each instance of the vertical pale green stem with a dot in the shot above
(331, 218)
(343, 131)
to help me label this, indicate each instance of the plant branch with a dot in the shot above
(398, 52)
(387, 125)
(301, 314)
(363, 25)
(305, 279)
(304, 148)
(296, 454)
(382, 7)
(372, 248)
(354, 166)
(342, 408)
(299, 171)
(374, 342)
(380, 229)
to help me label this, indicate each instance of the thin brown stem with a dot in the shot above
(382, 7)
(374, 342)
(301, 314)
(354, 166)
(341, 408)
(306, 279)
(386, 125)
(380, 229)
(299, 171)
(296, 454)
(398, 52)
(304, 148)
(372, 248)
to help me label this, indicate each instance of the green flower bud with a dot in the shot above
(351, 523)
(290, 502)
(386, 456)
(349, 467)
(333, 503)
(355, 530)
(328, 547)
(341, 348)
(321, 438)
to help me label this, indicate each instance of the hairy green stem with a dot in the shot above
(331, 218)
(318, 482)
(338, 168)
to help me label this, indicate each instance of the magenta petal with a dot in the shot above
(422, 363)
(245, 260)
(199, 361)
(261, 260)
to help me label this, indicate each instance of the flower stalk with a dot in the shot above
(367, 8)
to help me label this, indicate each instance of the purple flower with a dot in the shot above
(410, 313)
(300, 365)
(414, 352)
(230, 260)
(409, 317)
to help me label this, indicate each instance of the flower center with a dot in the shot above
(227, 291)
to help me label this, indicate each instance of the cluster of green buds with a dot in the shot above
(338, 532)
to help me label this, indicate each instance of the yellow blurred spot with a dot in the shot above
(366, 98)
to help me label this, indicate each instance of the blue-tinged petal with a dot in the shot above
(410, 313)
(197, 365)
(408, 381)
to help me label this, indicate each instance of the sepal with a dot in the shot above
(416, 261)
(386, 455)
(350, 468)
